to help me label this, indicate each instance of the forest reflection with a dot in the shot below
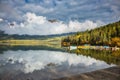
(111, 57)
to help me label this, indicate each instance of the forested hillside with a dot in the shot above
(105, 35)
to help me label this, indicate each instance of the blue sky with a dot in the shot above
(104, 11)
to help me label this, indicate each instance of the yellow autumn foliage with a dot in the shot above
(116, 41)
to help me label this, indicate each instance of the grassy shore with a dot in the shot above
(47, 42)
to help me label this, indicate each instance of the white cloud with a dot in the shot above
(33, 19)
(75, 26)
(39, 25)
(1, 19)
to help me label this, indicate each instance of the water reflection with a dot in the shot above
(110, 57)
(46, 64)
(32, 47)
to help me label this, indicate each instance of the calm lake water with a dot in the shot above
(29, 63)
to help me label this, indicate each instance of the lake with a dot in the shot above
(44, 63)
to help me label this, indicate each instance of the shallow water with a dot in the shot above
(45, 64)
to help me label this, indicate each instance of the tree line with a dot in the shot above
(104, 35)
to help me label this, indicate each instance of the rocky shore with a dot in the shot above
(112, 73)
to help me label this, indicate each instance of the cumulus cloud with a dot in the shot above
(39, 25)
(1, 19)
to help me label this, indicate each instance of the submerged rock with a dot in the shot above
(51, 64)
(10, 60)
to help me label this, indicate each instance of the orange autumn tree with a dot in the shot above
(116, 41)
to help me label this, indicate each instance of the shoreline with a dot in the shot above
(112, 73)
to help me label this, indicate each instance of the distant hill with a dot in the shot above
(104, 35)
(4, 36)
